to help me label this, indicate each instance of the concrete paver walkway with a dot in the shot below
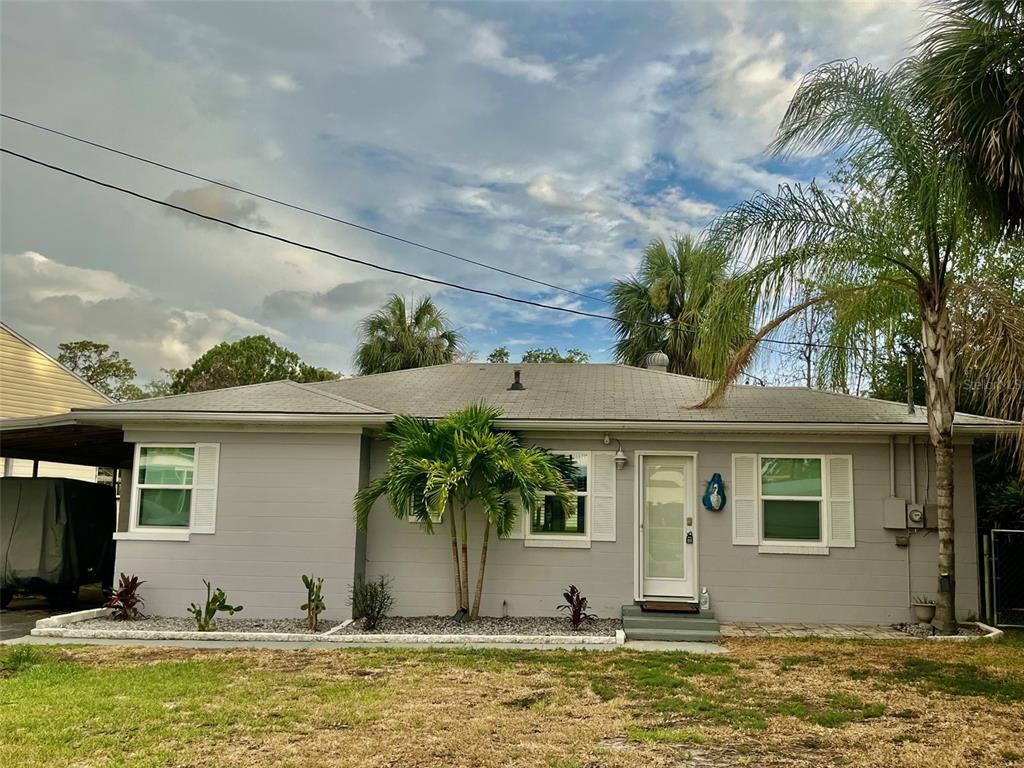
(850, 631)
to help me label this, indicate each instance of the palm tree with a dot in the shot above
(660, 308)
(463, 461)
(397, 337)
(970, 70)
(902, 235)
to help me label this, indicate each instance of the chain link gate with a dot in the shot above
(1007, 560)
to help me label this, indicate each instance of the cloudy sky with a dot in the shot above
(554, 140)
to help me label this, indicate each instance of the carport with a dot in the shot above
(64, 438)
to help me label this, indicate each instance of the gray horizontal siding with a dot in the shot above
(284, 508)
(867, 584)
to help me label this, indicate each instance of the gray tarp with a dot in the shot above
(55, 531)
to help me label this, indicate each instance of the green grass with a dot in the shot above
(960, 679)
(135, 715)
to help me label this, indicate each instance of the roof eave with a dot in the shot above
(117, 418)
(887, 428)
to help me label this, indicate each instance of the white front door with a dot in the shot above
(667, 527)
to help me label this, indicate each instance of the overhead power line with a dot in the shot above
(295, 207)
(363, 262)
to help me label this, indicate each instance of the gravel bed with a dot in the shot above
(926, 630)
(418, 625)
(188, 624)
(512, 625)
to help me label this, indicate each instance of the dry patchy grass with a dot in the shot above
(769, 703)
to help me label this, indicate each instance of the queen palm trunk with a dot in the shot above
(464, 587)
(940, 392)
(475, 613)
(455, 561)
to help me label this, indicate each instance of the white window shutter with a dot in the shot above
(840, 502)
(204, 493)
(602, 496)
(744, 498)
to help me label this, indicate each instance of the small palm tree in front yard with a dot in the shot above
(458, 463)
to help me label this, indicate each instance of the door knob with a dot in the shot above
(689, 537)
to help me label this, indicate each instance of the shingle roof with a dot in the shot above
(593, 392)
(608, 392)
(274, 397)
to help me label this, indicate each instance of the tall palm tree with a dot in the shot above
(902, 237)
(970, 70)
(661, 307)
(397, 337)
(462, 462)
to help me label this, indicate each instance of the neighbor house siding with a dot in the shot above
(34, 384)
(865, 584)
(284, 508)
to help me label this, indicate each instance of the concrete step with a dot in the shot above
(636, 610)
(647, 621)
(673, 635)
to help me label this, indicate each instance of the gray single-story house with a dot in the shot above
(828, 512)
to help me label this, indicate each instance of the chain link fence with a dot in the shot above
(1007, 564)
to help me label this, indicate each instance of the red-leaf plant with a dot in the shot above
(125, 600)
(577, 606)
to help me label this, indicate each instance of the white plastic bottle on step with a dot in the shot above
(705, 599)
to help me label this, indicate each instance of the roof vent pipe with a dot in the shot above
(517, 384)
(656, 361)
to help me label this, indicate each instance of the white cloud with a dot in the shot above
(488, 48)
(281, 81)
(67, 303)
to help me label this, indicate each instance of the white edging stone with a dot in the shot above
(991, 633)
(290, 637)
(65, 619)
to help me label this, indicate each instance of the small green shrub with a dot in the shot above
(314, 604)
(371, 601)
(205, 614)
(20, 658)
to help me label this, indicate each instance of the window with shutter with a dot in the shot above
(602, 497)
(793, 504)
(174, 491)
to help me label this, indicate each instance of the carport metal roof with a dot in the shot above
(64, 439)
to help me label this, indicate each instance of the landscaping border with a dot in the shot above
(991, 633)
(63, 626)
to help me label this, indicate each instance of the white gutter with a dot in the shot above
(913, 472)
(115, 418)
(749, 426)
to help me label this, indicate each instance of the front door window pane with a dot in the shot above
(664, 518)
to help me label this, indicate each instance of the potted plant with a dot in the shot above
(924, 609)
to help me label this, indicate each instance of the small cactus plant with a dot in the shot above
(205, 614)
(314, 604)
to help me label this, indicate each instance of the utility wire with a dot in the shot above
(293, 206)
(362, 262)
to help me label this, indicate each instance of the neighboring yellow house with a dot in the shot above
(34, 384)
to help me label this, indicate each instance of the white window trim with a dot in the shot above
(794, 546)
(564, 540)
(137, 532)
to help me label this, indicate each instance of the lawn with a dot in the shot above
(769, 702)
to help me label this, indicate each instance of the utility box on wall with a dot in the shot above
(894, 513)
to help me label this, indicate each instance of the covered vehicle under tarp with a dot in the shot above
(55, 535)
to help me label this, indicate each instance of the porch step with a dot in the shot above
(640, 624)
(673, 635)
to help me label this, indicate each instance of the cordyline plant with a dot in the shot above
(462, 462)
(125, 600)
(576, 604)
(900, 238)
(215, 602)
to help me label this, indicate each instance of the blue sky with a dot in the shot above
(550, 139)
